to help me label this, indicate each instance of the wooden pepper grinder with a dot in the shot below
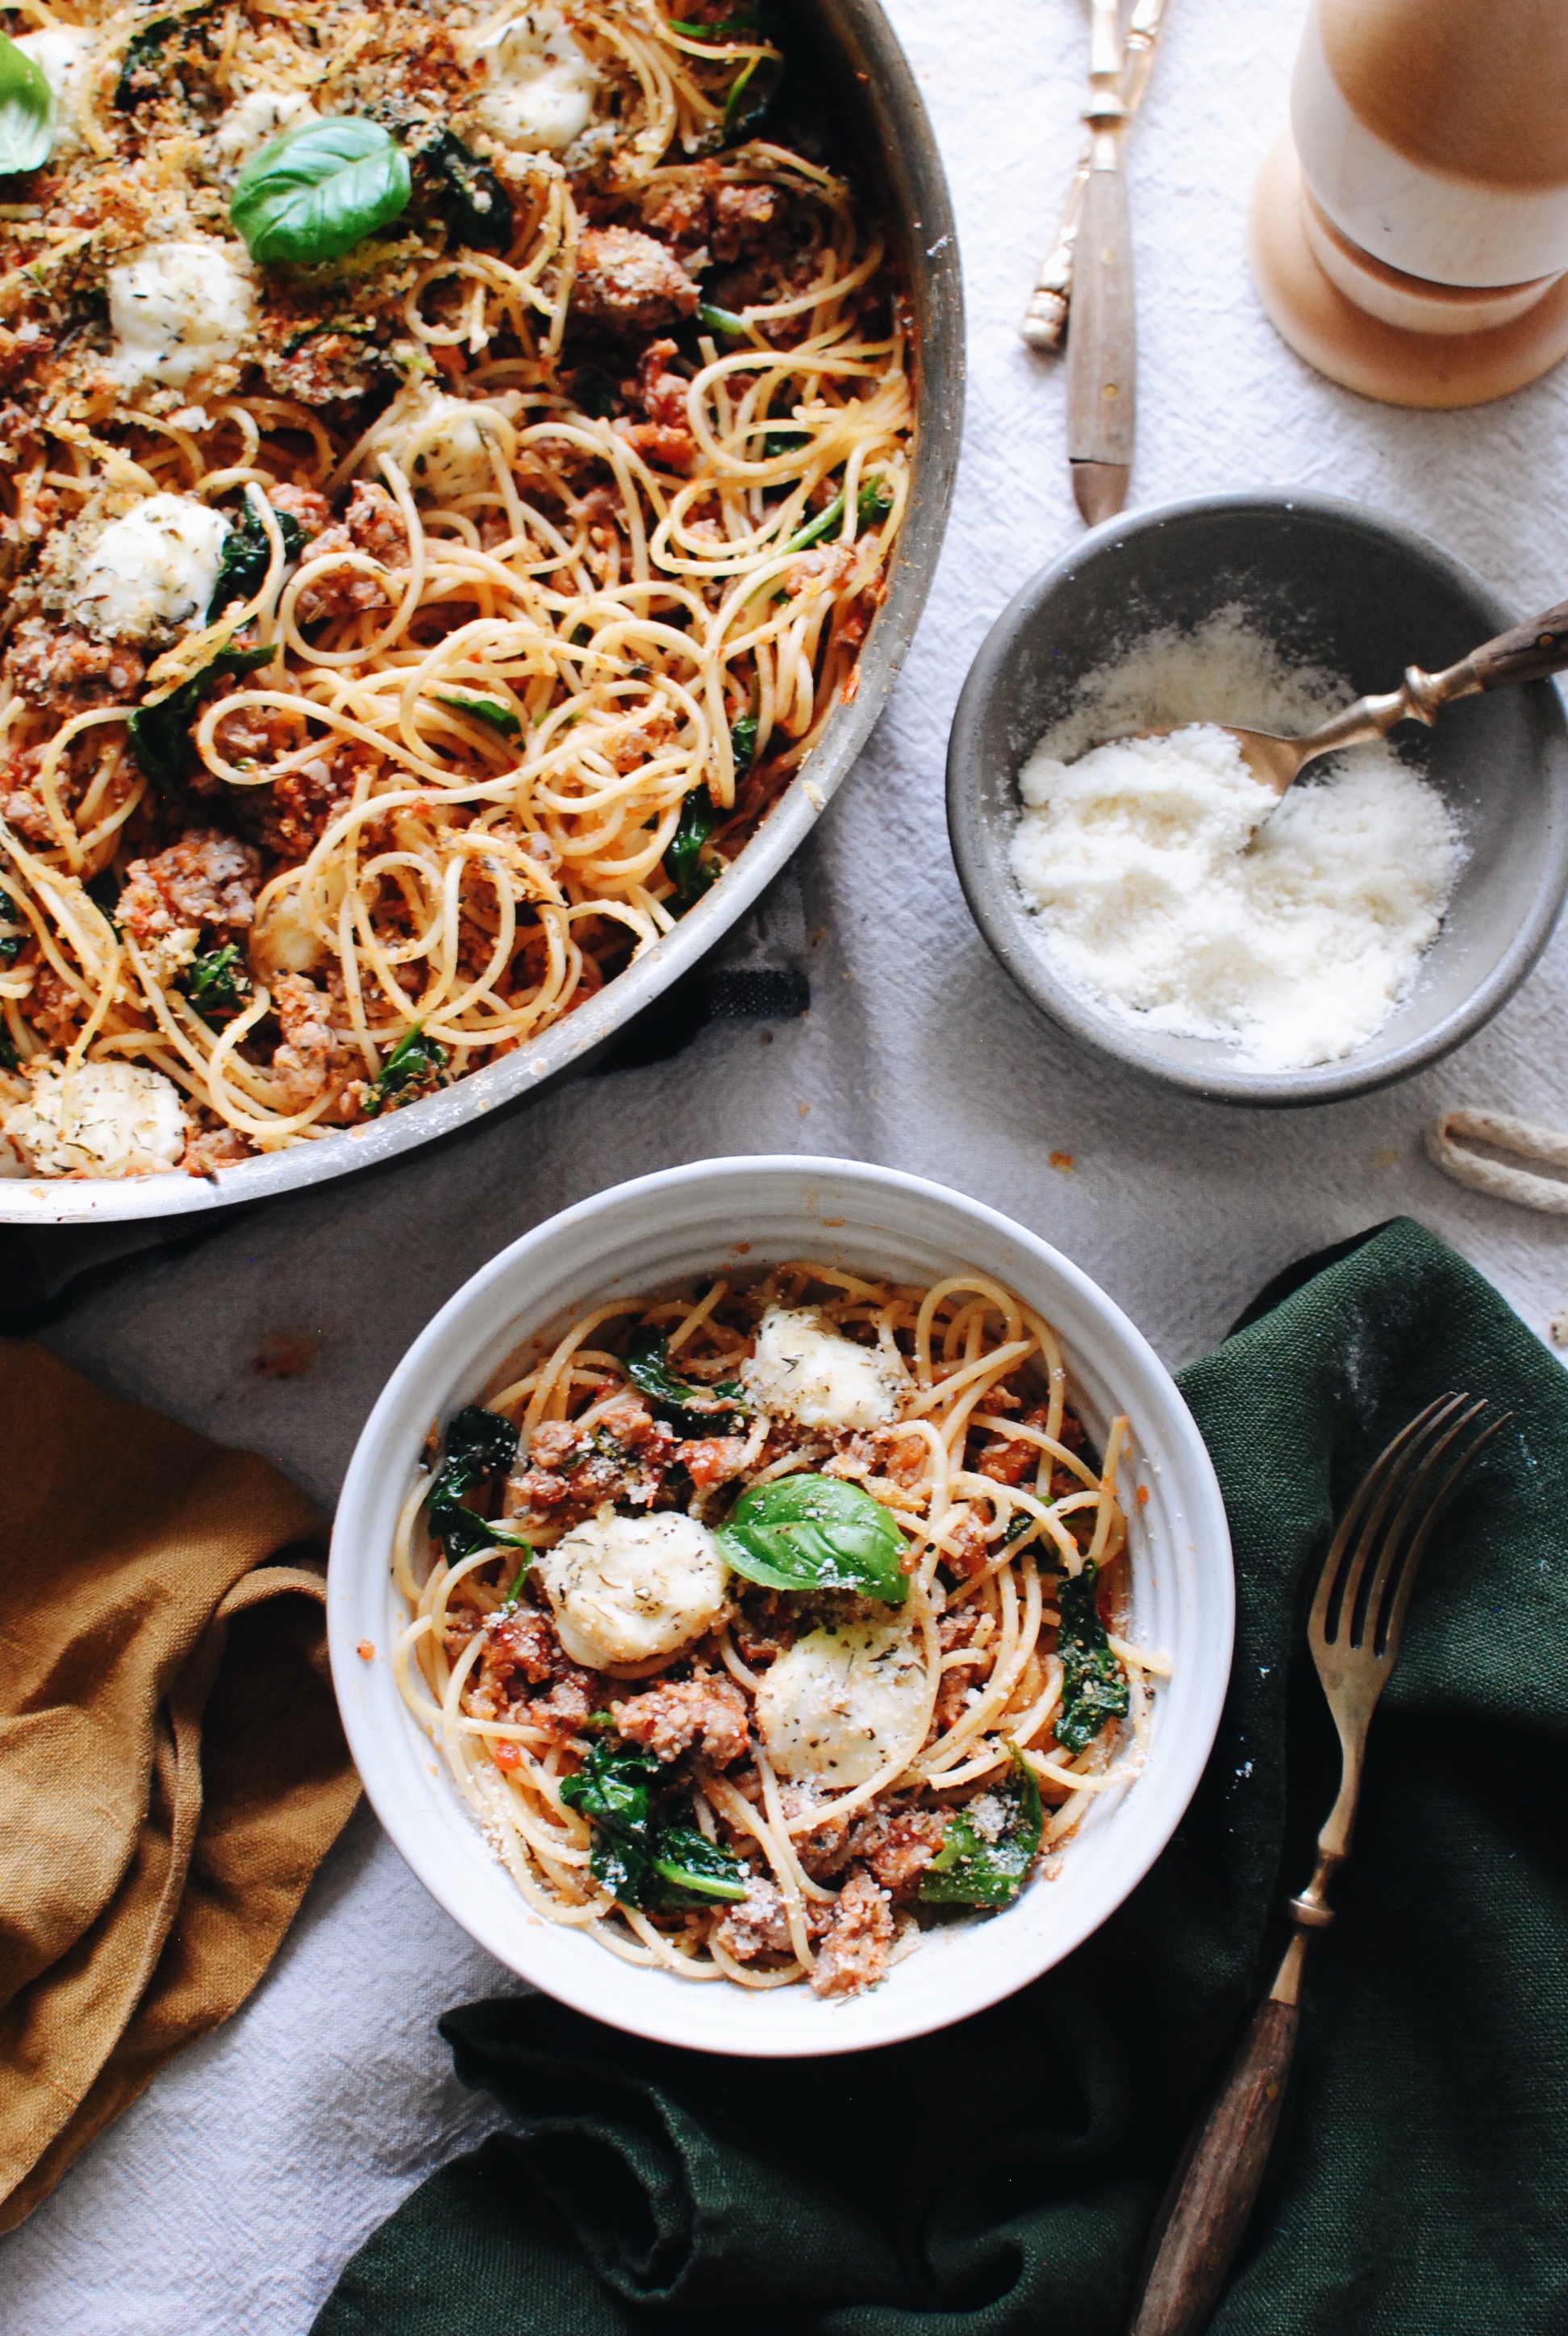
(1409, 233)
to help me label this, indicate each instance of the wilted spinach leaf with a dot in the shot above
(416, 1067)
(218, 985)
(751, 97)
(242, 562)
(816, 1532)
(684, 865)
(743, 743)
(874, 498)
(695, 1870)
(476, 206)
(1094, 1684)
(491, 710)
(479, 1445)
(160, 735)
(695, 1410)
(640, 1864)
(13, 944)
(975, 1866)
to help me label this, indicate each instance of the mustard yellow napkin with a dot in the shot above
(171, 1767)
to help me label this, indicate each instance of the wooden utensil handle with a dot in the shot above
(1102, 331)
(1205, 2210)
(1529, 653)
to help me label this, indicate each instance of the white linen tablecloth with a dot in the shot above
(228, 2197)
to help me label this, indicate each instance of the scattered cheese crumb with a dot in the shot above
(177, 308)
(103, 1119)
(154, 569)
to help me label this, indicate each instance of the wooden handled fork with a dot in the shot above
(1353, 1630)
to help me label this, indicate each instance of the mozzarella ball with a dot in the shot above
(153, 570)
(539, 84)
(103, 1119)
(808, 1372)
(626, 1589)
(177, 308)
(842, 1701)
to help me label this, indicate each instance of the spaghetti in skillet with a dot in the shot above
(762, 1627)
(400, 639)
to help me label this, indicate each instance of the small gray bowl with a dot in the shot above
(1338, 587)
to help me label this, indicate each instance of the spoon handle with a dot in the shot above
(1528, 653)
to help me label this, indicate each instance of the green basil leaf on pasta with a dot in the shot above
(695, 1870)
(319, 189)
(489, 710)
(816, 1532)
(989, 1846)
(1094, 1684)
(26, 110)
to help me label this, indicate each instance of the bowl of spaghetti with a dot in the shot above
(472, 478)
(780, 1606)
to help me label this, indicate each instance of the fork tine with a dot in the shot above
(1386, 1642)
(1386, 1480)
(1364, 1494)
(1416, 1503)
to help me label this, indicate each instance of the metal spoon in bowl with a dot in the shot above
(1528, 653)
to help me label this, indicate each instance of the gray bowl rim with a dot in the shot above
(1002, 925)
(899, 147)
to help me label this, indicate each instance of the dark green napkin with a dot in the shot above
(999, 2179)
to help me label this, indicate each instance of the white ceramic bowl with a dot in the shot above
(746, 1213)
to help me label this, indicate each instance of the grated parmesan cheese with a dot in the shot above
(1171, 886)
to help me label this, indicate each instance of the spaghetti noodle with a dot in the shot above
(790, 1634)
(552, 517)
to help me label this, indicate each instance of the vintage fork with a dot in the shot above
(1356, 1617)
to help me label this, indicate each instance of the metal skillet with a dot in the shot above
(867, 79)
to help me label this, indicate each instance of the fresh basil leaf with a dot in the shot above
(695, 1870)
(816, 1532)
(484, 709)
(751, 97)
(695, 1410)
(416, 1067)
(160, 735)
(26, 110)
(1094, 1684)
(684, 865)
(475, 205)
(975, 1866)
(217, 984)
(319, 189)
(243, 561)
